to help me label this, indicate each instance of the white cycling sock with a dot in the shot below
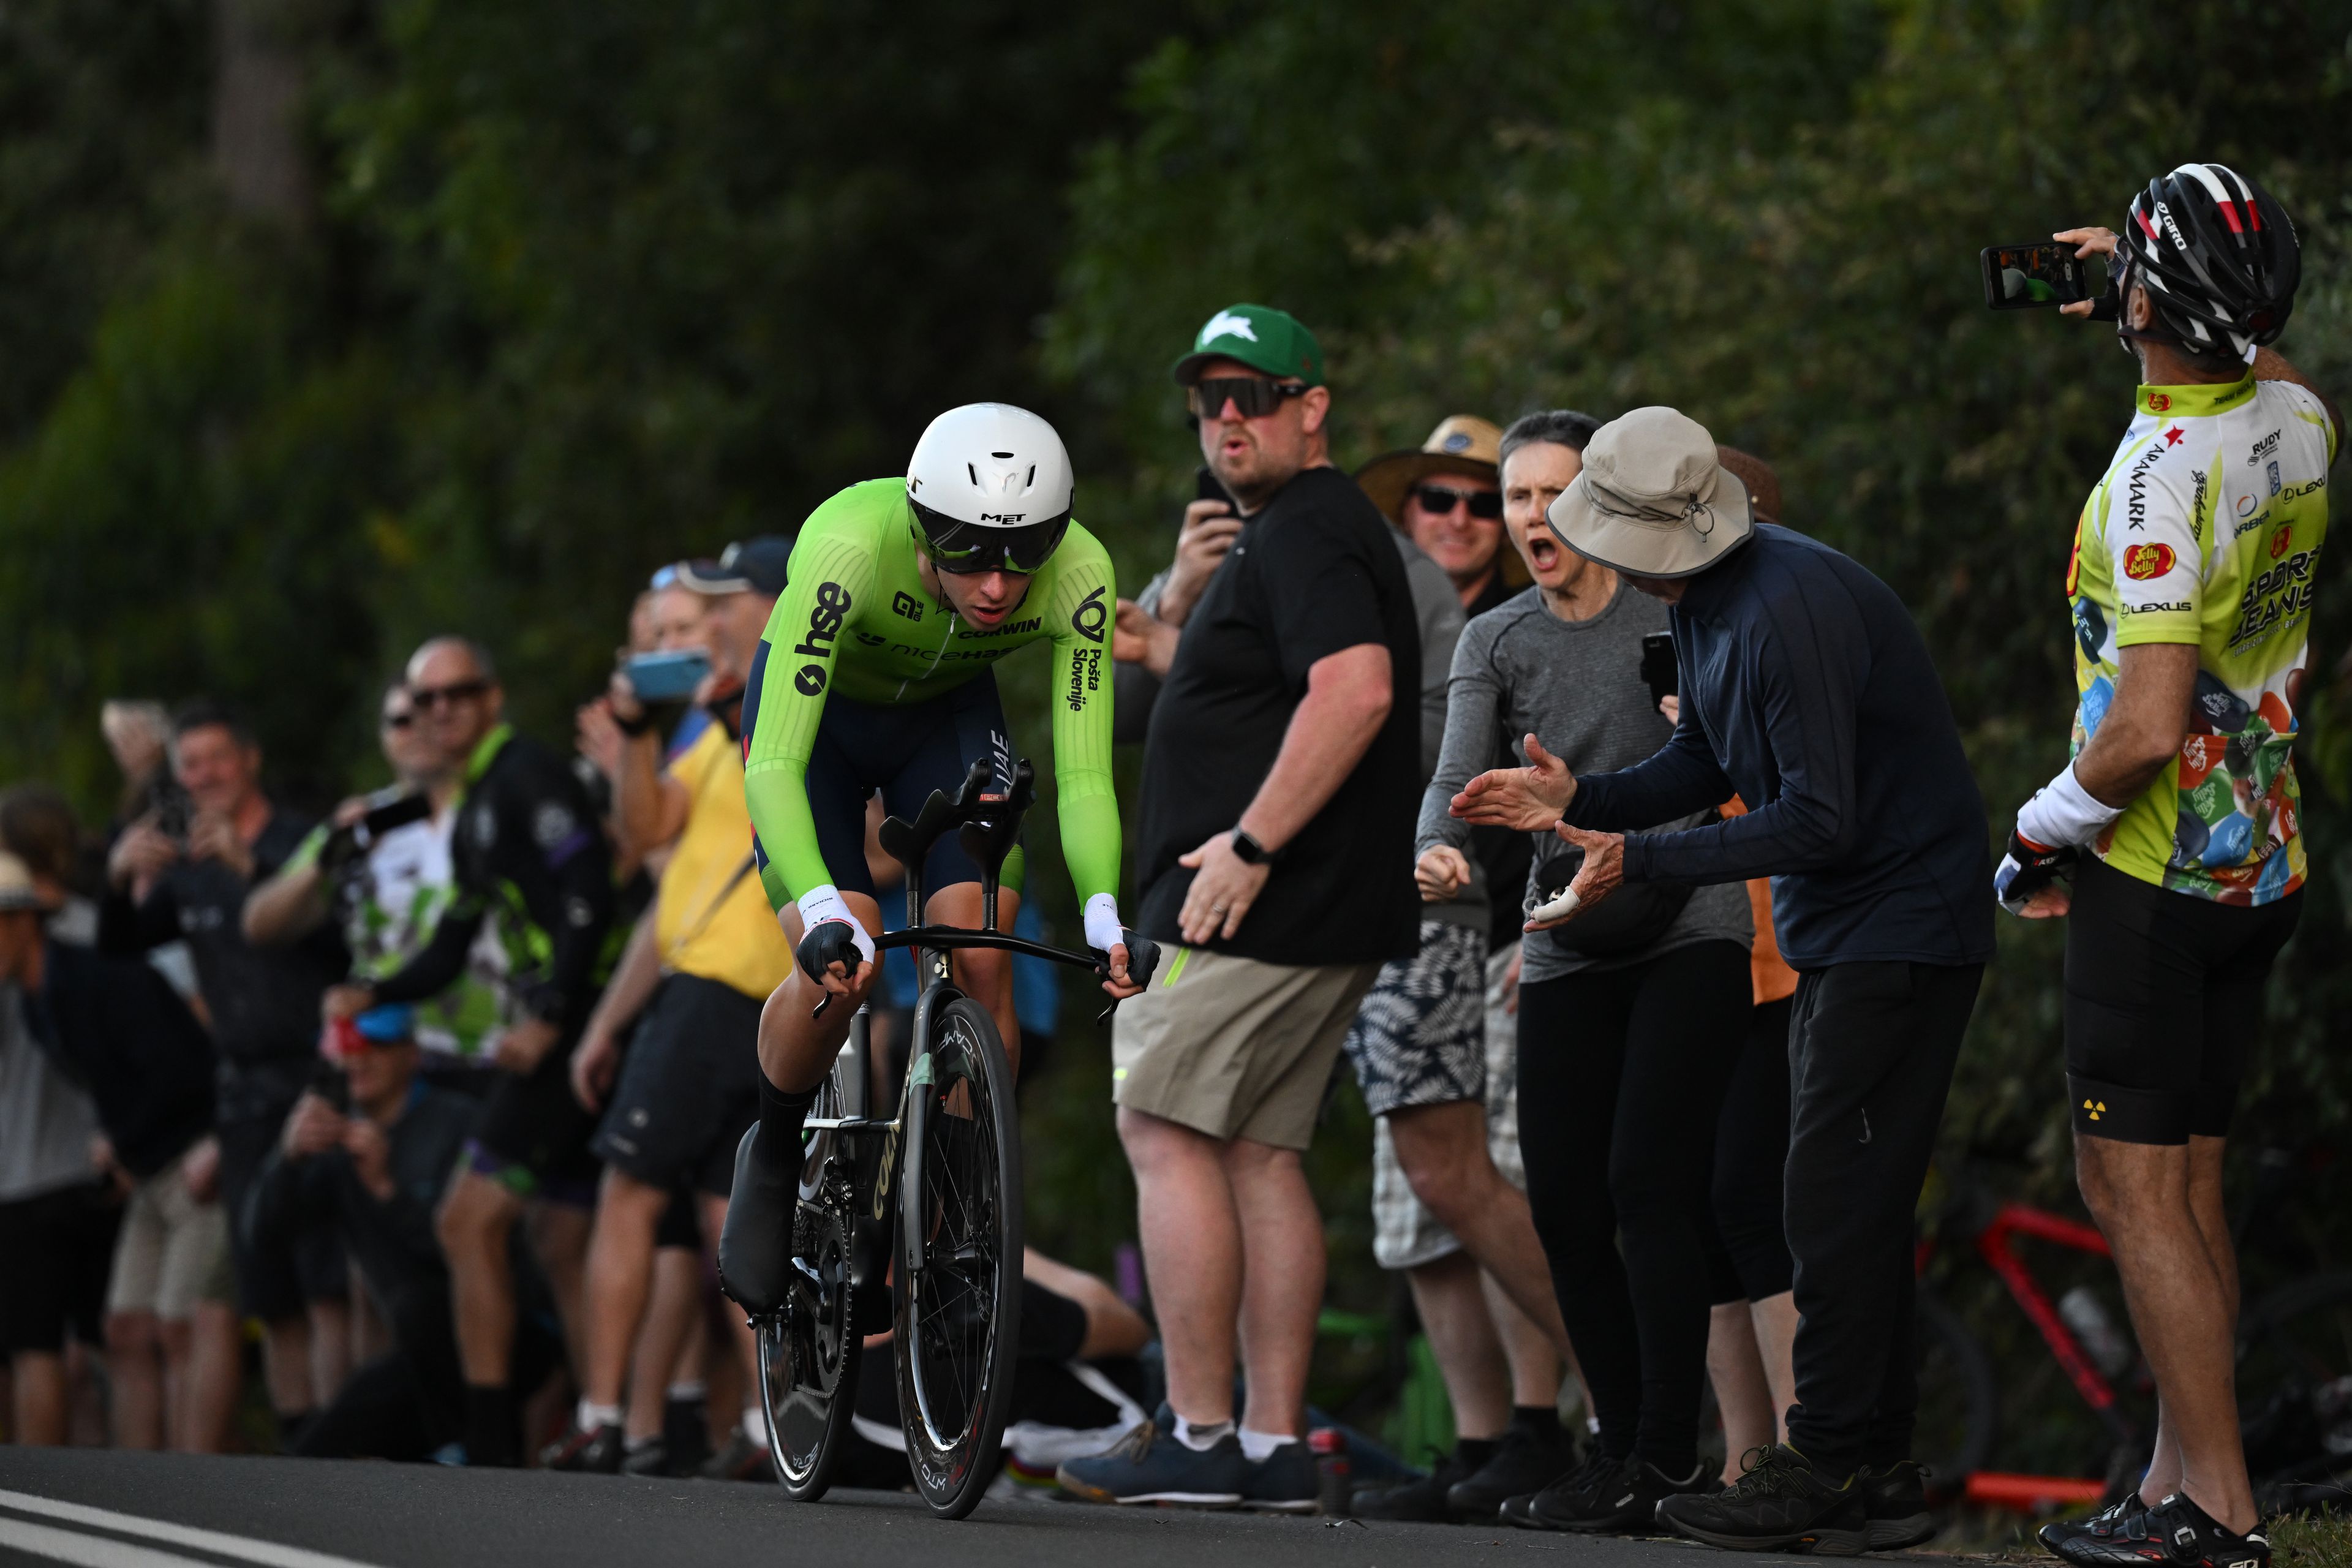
(592, 1416)
(1257, 1446)
(680, 1392)
(1201, 1439)
(755, 1425)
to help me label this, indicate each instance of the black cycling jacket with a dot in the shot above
(528, 849)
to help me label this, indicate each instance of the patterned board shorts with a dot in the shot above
(1405, 1234)
(1419, 1038)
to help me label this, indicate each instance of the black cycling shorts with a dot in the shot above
(59, 1246)
(688, 1088)
(2164, 993)
(533, 1138)
(906, 750)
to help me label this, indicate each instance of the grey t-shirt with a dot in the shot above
(1578, 686)
(46, 1125)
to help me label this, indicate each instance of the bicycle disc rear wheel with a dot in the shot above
(809, 1352)
(958, 1315)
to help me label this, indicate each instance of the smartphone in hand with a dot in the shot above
(2030, 276)
(1658, 666)
(1207, 487)
(665, 677)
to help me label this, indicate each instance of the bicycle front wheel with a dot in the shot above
(808, 1353)
(958, 1312)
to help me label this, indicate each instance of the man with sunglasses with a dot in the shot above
(877, 673)
(1280, 778)
(529, 852)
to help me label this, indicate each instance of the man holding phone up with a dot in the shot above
(2178, 818)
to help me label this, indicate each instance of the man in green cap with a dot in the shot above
(1280, 777)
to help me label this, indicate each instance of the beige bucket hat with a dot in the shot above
(17, 890)
(1653, 498)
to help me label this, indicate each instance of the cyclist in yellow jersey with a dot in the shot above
(2177, 822)
(876, 674)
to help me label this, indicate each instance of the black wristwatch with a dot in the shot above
(1249, 851)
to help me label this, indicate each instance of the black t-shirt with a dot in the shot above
(264, 1000)
(1313, 573)
(122, 1032)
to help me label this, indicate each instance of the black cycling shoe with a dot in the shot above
(1894, 1500)
(1572, 1493)
(741, 1459)
(1523, 1462)
(755, 1246)
(1628, 1503)
(596, 1452)
(1780, 1503)
(2101, 1524)
(2174, 1532)
(650, 1457)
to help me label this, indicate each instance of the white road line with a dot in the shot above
(89, 1552)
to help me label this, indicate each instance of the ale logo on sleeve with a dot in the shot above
(2142, 562)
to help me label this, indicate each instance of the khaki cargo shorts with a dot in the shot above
(1234, 1047)
(171, 1251)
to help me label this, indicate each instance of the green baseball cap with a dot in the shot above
(1260, 337)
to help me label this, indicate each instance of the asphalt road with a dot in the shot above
(108, 1509)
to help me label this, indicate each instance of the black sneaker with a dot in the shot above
(684, 1437)
(2101, 1524)
(1895, 1498)
(755, 1244)
(1573, 1493)
(1419, 1501)
(1523, 1463)
(740, 1461)
(596, 1452)
(2175, 1532)
(1780, 1503)
(1628, 1503)
(1284, 1481)
(1149, 1466)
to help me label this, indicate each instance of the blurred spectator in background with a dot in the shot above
(118, 1030)
(57, 1215)
(673, 622)
(1278, 798)
(172, 879)
(528, 848)
(387, 889)
(1420, 1050)
(370, 1154)
(695, 973)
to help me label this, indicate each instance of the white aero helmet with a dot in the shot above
(990, 485)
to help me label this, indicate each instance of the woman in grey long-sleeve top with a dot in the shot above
(1625, 1042)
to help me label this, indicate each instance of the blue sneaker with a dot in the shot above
(1284, 1481)
(1150, 1466)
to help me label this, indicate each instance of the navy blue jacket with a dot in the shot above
(1806, 689)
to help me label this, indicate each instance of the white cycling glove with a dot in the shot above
(1104, 931)
(2063, 814)
(826, 903)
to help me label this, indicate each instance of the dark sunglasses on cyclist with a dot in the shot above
(1439, 500)
(430, 697)
(1250, 399)
(968, 549)
(400, 721)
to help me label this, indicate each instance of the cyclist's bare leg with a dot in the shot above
(984, 975)
(1282, 1280)
(1451, 1304)
(2182, 1306)
(796, 1050)
(2213, 1226)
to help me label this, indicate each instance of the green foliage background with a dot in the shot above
(592, 286)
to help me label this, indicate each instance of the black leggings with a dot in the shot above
(1751, 1149)
(1622, 1076)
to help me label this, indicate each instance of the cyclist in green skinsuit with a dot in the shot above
(877, 673)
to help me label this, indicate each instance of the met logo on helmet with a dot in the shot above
(1003, 516)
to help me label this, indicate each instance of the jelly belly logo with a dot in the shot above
(2281, 539)
(2142, 562)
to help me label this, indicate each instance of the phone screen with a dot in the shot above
(2030, 277)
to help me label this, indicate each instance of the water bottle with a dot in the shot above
(1335, 1488)
(2086, 1319)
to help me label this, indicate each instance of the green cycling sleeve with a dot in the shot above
(833, 571)
(1084, 598)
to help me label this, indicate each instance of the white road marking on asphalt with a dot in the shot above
(87, 1550)
(101, 1553)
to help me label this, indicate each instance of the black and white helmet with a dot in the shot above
(990, 485)
(2218, 257)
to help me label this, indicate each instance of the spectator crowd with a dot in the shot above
(1612, 833)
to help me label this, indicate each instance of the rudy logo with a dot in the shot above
(2096, 1108)
(1088, 619)
(2142, 562)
